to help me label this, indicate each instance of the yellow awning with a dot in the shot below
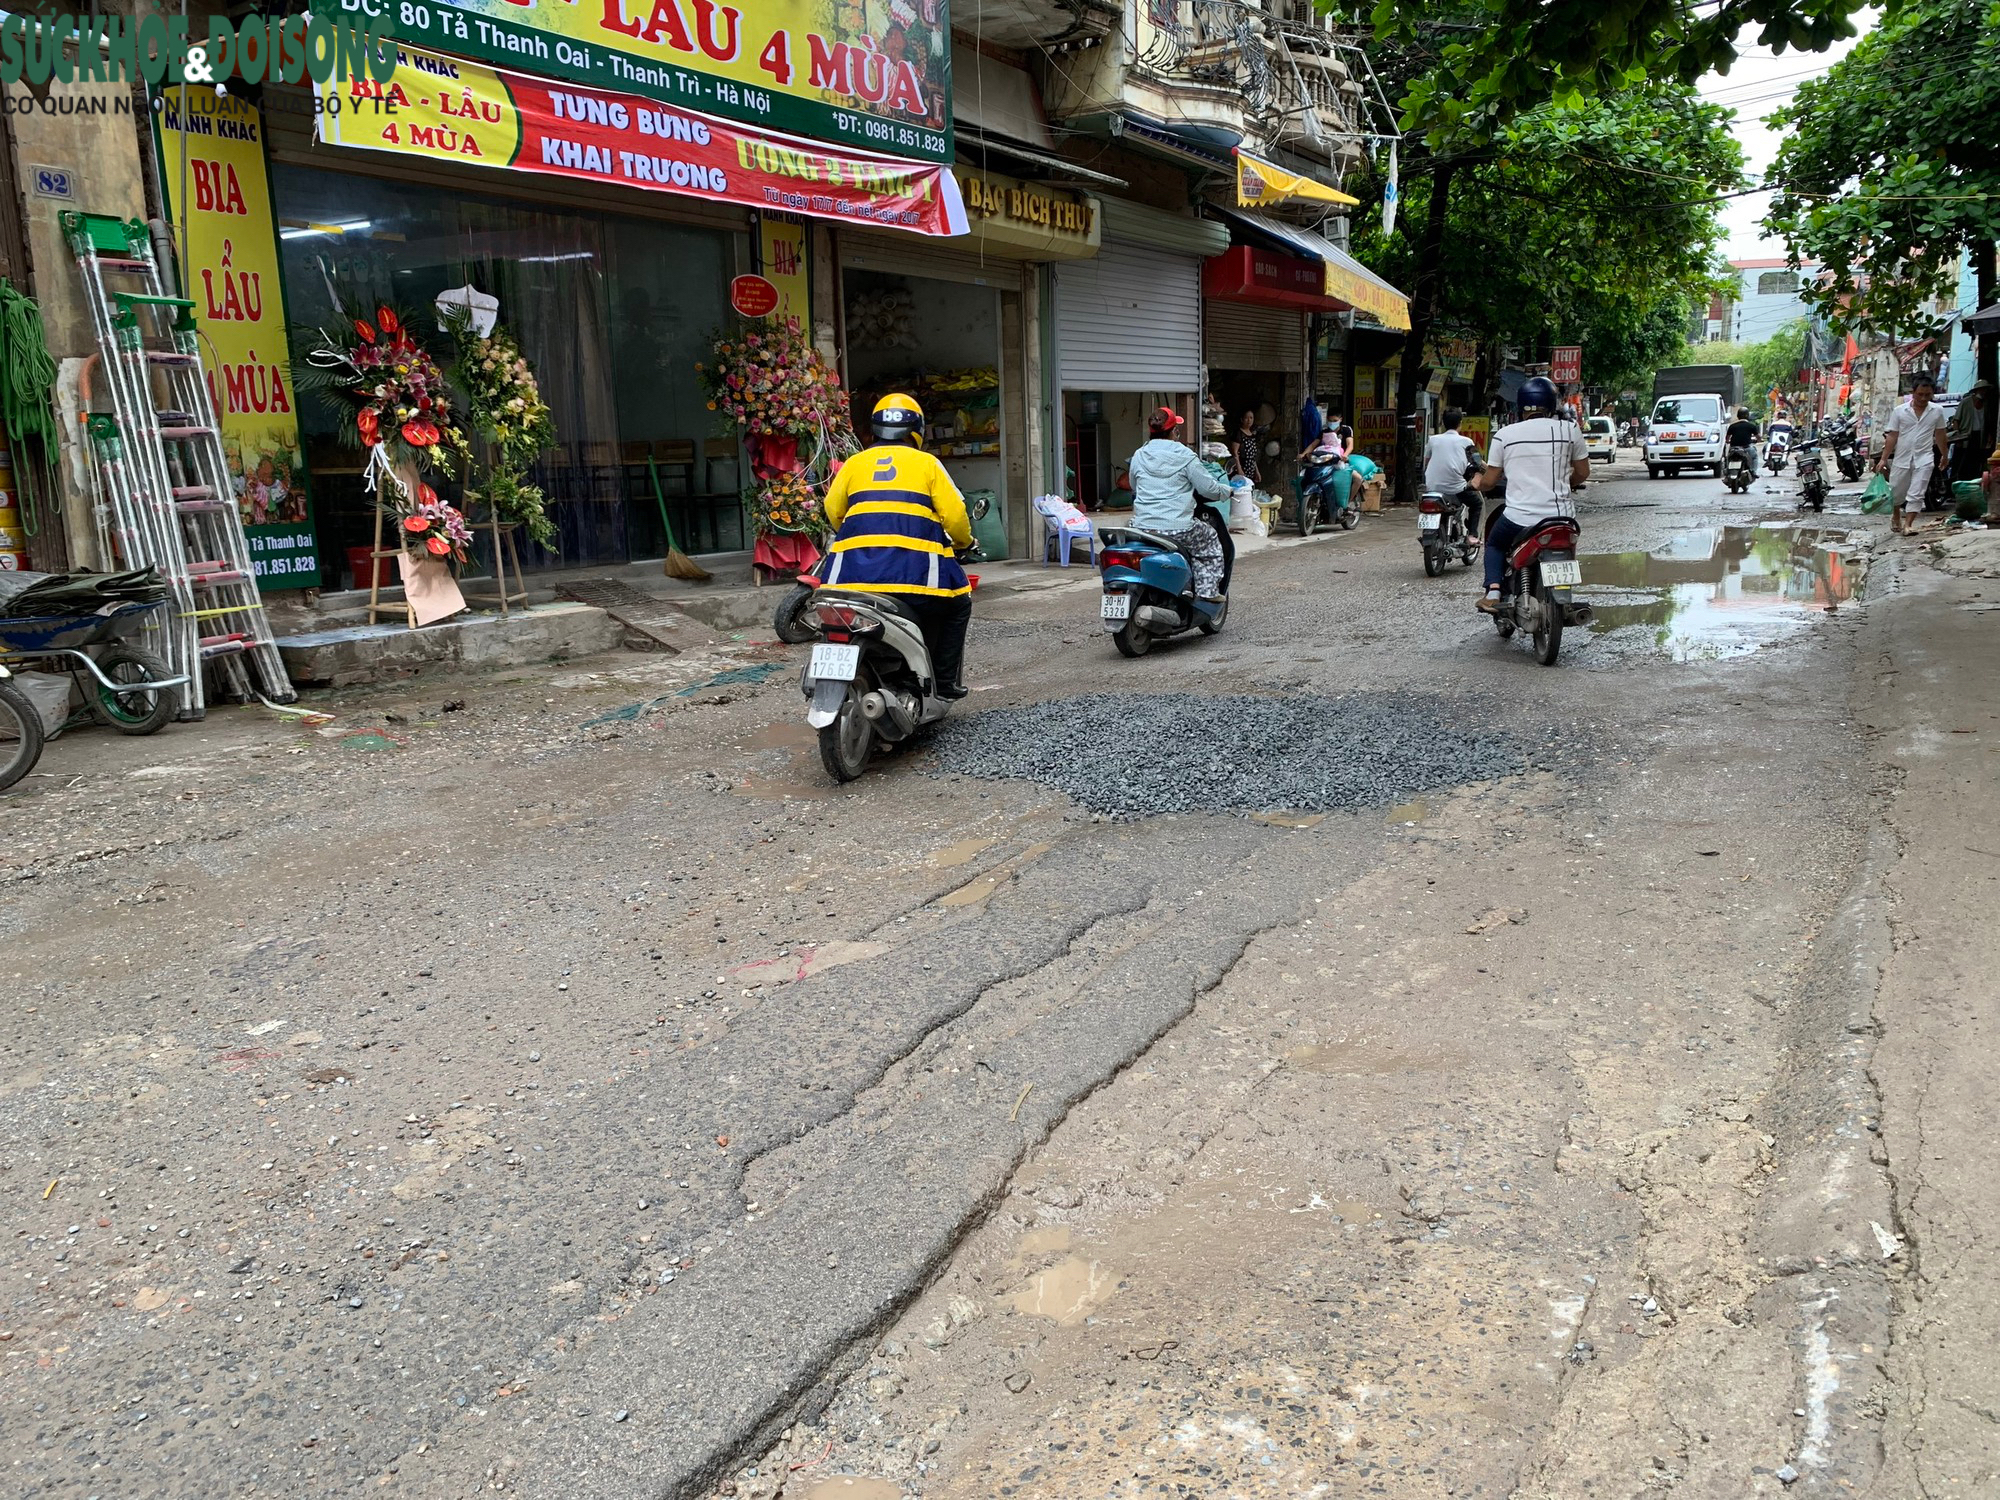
(1259, 184)
(1365, 293)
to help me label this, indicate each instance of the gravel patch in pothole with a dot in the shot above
(1131, 755)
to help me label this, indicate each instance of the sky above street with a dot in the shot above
(1759, 82)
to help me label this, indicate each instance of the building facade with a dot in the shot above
(1766, 299)
(1058, 242)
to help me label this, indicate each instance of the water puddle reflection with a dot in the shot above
(1283, 818)
(783, 734)
(962, 852)
(1723, 591)
(1067, 1291)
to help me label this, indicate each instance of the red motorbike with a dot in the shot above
(1536, 588)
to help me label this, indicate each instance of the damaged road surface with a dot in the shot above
(577, 1095)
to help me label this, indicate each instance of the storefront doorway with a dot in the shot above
(1101, 432)
(1128, 340)
(938, 340)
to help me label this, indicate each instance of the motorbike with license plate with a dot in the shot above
(1322, 497)
(1777, 450)
(1812, 476)
(1537, 586)
(1739, 467)
(869, 679)
(1149, 586)
(1839, 438)
(1441, 532)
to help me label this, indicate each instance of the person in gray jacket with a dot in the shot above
(1167, 478)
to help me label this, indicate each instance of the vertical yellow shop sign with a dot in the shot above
(212, 164)
(781, 254)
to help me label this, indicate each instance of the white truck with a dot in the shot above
(1693, 406)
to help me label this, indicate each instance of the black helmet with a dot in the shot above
(897, 418)
(1538, 393)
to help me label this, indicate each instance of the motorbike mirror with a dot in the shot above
(981, 506)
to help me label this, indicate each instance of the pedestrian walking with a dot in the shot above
(1971, 432)
(1912, 449)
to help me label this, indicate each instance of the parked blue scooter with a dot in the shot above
(1149, 586)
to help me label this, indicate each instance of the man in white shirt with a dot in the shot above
(1542, 458)
(1447, 456)
(1912, 446)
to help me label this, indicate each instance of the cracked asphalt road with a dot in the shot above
(556, 1099)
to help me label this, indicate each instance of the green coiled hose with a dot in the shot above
(27, 386)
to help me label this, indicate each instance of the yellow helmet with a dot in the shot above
(897, 417)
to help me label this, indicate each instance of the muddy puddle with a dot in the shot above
(801, 777)
(1723, 591)
(1068, 1291)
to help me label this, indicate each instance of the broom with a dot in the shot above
(678, 564)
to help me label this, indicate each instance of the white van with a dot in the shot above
(1686, 432)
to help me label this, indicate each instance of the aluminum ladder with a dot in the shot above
(166, 484)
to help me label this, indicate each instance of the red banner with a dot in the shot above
(442, 108)
(1566, 364)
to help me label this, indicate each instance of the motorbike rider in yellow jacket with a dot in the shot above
(899, 523)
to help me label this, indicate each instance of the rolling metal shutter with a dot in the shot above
(1243, 336)
(1129, 320)
(909, 255)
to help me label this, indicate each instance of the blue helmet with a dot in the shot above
(1538, 393)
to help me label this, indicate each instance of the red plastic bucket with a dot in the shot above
(368, 570)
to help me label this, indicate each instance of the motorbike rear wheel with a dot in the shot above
(1350, 516)
(20, 735)
(1209, 625)
(1548, 629)
(1132, 639)
(1433, 561)
(844, 744)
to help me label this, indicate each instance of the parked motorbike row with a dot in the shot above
(1836, 437)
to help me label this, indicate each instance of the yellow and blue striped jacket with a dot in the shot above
(898, 517)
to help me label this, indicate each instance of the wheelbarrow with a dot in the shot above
(124, 686)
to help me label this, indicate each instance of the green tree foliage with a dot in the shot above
(1890, 168)
(1770, 364)
(1577, 225)
(1464, 69)
(1502, 56)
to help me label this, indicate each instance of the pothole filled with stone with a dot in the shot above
(1132, 755)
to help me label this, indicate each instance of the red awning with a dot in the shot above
(1244, 273)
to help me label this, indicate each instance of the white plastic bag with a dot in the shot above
(49, 692)
(480, 309)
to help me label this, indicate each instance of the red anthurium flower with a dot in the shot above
(438, 545)
(388, 320)
(364, 330)
(415, 524)
(426, 494)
